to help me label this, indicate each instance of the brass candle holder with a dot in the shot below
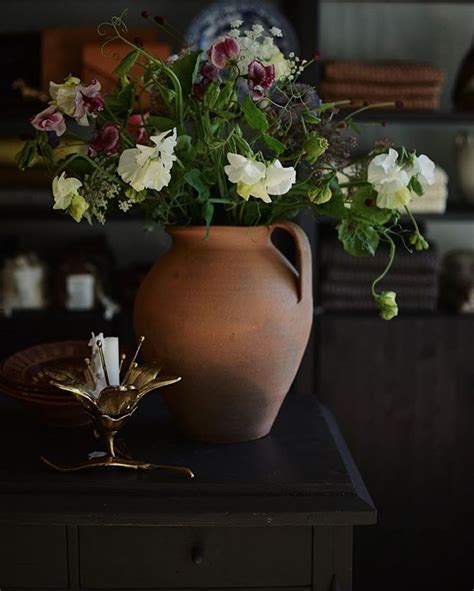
(111, 407)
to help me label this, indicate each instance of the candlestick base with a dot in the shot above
(117, 462)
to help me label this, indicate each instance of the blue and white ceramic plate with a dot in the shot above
(214, 21)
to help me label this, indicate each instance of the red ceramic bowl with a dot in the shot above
(22, 378)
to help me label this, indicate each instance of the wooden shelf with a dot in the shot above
(403, 315)
(454, 213)
(430, 118)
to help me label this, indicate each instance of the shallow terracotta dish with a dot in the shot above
(22, 378)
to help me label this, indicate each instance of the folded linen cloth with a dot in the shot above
(389, 72)
(343, 276)
(331, 289)
(408, 104)
(333, 255)
(406, 304)
(378, 90)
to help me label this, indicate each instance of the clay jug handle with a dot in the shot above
(303, 252)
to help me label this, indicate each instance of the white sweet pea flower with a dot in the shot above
(244, 170)
(248, 175)
(389, 180)
(64, 189)
(66, 196)
(254, 179)
(64, 95)
(424, 170)
(279, 180)
(148, 167)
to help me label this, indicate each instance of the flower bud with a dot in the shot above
(315, 146)
(320, 195)
(387, 305)
(417, 240)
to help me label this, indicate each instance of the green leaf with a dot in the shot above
(195, 178)
(184, 69)
(160, 123)
(274, 144)
(309, 117)
(184, 145)
(127, 63)
(334, 208)
(207, 211)
(359, 239)
(26, 156)
(364, 205)
(353, 125)
(120, 103)
(212, 95)
(253, 115)
(415, 185)
(325, 107)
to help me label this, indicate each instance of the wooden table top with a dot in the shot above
(301, 474)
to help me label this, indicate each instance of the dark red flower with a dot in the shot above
(209, 72)
(106, 139)
(93, 104)
(145, 13)
(222, 51)
(138, 41)
(136, 127)
(260, 77)
(316, 55)
(160, 20)
(199, 89)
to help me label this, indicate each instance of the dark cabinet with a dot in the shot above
(277, 513)
(33, 557)
(177, 557)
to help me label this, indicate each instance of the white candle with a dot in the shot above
(112, 359)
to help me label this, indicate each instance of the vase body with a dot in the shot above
(232, 317)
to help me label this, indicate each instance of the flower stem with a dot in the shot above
(392, 252)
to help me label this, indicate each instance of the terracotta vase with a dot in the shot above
(232, 317)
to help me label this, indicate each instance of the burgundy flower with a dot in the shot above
(199, 89)
(209, 72)
(222, 51)
(260, 77)
(49, 120)
(106, 139)
(136, 127)
(160, 20)
(145, 13)
(88, 102)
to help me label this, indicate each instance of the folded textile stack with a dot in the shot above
(417, 86)
(435, 196)
(346, 281)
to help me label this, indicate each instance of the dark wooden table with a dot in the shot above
(278, 512)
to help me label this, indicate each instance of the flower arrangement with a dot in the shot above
(226, 136)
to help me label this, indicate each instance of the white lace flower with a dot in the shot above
(148, 167)
(276, 32)
(389, 180)
(125, 205)
(254, 179)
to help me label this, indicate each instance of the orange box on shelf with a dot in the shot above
(100, 65)
(77, 51)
